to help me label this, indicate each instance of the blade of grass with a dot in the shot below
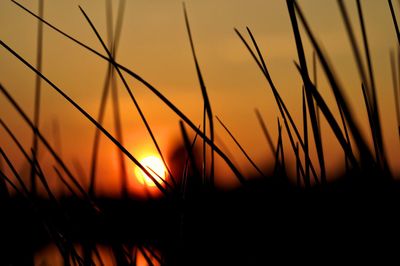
(307, 82)
(118, 134)
(395, 89)
(398, 80)
(188, 159)
(60, 176)
(110, 79)
(161, 178)
(332, 122)
(8, 180)
(375, 127)
(119, 23)
(367, 54)
(189, 150)
(154, 254)
(207, 105)
(30, 124)
(15, 140)
(42, 178)
(365, 153)
(280, 167)
(240, 147)
(306, 150)
(55, 126)
(114, 90)
(112, 60)
(298, 179)
(265, 131)
(98, 257)
(281, 105)
(396, 26)
(278, 163)
(82, 111)
(113, 44)
(315, 81)
(282, 151)
(146, 256)
(14, 171)
(96, 140)
(164, 99)
(340, 112)
(4, 193)
(31, 160)
(36, 114)
(119, 255)
(221, 143)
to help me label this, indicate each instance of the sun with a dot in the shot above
(155, 167)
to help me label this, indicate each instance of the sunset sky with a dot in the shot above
(154, 43)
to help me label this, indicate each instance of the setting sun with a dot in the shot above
(155, 166)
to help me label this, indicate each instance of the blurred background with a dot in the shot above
(154, 43)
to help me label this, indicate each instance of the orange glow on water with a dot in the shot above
(139, 256)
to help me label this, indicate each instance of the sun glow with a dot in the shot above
(155, 167)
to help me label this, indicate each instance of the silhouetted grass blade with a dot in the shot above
(307, 83)
(395, 89)
(396, 26)
(129, 92)
(207, 105)
(365, 153)
(372, 107)
(306, 150)
(36, 114)
(15, 173)
(281, 105)
(164, 99)
(240, 147)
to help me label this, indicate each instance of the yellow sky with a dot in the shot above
(154, 44)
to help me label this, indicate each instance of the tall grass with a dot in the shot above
(360, 160)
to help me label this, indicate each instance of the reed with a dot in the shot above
(193, 196)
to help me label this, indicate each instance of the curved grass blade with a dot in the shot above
(396, 26)
(110, 82)
(113, 46)
(40, 136)
(14, 171)
(281, 105)
(265, 131)
(307, 82)
(314, 62)
(191, 159)
(240, 147)
(207, 105)
(332, 122)
(4, 193)
(365, 153)
(31, 161)
(8, 180)
(157, 93)
(82, 111)
(395, 89)
(372, 106)
(65, 182)
(112, 61)
(305, 136)
(96, 140)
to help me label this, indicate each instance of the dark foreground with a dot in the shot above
(259, 223)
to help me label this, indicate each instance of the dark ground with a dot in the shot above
(259, 223)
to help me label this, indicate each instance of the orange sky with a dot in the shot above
(155, 44)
